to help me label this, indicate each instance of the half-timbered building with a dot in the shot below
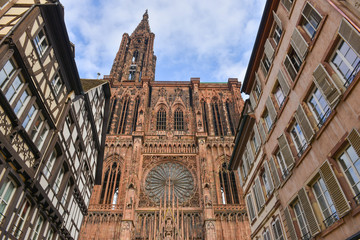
(52, 125)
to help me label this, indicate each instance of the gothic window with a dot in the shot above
(228, 188)
(135, 57)
(217, 119)
(112, 115)
(111, 183)
(135, 116)
(123, 118)
(178, 120)
(229, 117)
(205, 118)
(161, 120)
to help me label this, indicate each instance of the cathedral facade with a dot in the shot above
(165, 172)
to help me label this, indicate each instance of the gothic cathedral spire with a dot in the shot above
(135, 58)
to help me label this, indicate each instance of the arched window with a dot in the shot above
(228, 188)
(178, 120)
(161, 120)
(111, 183)
(112, 114)
(123, 118)
(135, 116)
(218, 128)
(229, 117)
(204, 117)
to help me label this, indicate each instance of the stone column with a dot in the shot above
(127, 222)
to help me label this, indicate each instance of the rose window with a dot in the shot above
(170, 180)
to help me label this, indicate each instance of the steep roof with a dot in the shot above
(143, 25)
(89, 84)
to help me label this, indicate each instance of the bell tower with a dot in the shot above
(135, 58)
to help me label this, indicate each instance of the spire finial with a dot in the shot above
(146, 16)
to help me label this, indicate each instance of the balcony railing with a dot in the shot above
(323, 118)
(302, 150)
(352, 75)
(331, 219)
(306, 236)
(357, 199)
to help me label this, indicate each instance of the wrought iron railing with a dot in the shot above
(302, 150)
(323, 118)
(306, 236)
(331, 219)
(357, 199)
(352, 75)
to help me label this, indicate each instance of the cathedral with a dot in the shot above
(165, 173)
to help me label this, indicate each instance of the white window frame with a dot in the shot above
(37, 228)
(267, 186)
(7, 73)
(304, 19)
(277, 235)
(66, 193)
(57, 184)
(283, 168)
(300, 217)
(298, 138)
(350, 164)
(277, 33)
(277, 95)
(30, 116)
(4, 193)
(56, 84)
(21, 218)
(267, 120)
(38, 41)
(22, 102)
(325, 111)
(344, 60)
(266, 234)
(250, 207)
(50, 164)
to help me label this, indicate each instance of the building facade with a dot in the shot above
(297, 146)
(52, 125)
(168, 145)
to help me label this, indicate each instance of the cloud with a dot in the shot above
(209, 39)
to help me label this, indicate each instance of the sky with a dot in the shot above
(210, 39)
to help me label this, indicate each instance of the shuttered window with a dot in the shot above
(283, 168)
(310, 20)
(269, 50)
(292, 63)
(325, 202)
(266, 177)
(326, 85)
(279, 95)
(252, 101)
(290, 225)
(298, 138)
(257, 136)
(354, 140)
(274, 173)
(271, 109)
(277, 29)
(346, 62)
(283, 83)
(277, 230)
(350, 35)
(350, 163)
(308, 212)
(262, 132)
(7, 192)
(299, 44)
(319, 107)
(287, 4)
(286, 151)
(250, 152)
(340, 202)
(300, 217)
(258, 193)
(250, 207)
(305, 125)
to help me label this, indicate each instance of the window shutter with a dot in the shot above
(354, 140)
(250, 152)
(283, 83)
(286, 151)
(299, 44)
(271, 109)
(287, 4)
(338, 197)
(289, 223)
(274, 173)
(250, 207)
(308, 212)
(268, 176)
(263, 69)
(257, 136)
(277, 20)
(326, 85)
(252, 101)
(269, 50)
(258, 80)
(262, 132)
(304, 123)
(350, 35)
(260, 192)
